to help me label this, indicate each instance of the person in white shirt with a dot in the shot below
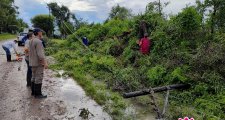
(7, 46)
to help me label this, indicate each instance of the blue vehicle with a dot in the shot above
(22, 39)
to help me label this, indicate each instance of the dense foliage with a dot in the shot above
(119, 12)
(183, 51)
(65, 20)
(44, 22)
(9, 22)
(6, 36)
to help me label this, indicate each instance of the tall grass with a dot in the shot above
(6, 36)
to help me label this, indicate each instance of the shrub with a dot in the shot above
(215, 80)
(156, 75)
(97, 33)
(126, 79)
(116, 27)
(178, 75)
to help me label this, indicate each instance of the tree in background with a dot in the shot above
(22, 24)
(8, 17)
(44, 22)
(155, 7)
(118, 12)
(188, 22)
(216, 13)
(65, 19)
(62, 14)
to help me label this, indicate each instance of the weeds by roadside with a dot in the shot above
(6, 36)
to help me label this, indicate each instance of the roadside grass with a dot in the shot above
(58, 41)
(6, 36)
(112, 102)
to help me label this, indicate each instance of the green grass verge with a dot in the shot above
(58, 41)
(6, 36)
(112, 102)
(73, 62)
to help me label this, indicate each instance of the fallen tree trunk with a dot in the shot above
(156, 89)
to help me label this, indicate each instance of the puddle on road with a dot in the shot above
(76, 99)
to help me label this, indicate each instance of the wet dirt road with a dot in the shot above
(65, 97)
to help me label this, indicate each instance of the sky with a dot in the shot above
(93, 10)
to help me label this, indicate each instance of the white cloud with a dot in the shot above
(101, 8)
(73, 5)
(176, 6)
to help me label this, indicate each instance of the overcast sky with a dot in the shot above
(93, 10)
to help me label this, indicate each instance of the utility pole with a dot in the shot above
(160, 9)
(50, 31)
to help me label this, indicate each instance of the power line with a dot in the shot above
(73, 32)
(78, 38)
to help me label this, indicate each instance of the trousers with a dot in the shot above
(6, 50)
(29, 73)
(37, 74)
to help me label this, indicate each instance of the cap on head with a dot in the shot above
(36, 30)
(29, 34)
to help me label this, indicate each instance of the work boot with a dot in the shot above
(32, 88)
(29, 83)
(8, 58)
(38, 92)
(29, 76)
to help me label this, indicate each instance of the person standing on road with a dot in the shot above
(26, 51)
(37, 62)
(7, 46)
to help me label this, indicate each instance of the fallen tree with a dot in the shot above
(155, 90)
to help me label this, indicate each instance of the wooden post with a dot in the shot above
(156, 89)
(151, 91)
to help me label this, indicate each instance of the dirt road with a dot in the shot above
(65, 97)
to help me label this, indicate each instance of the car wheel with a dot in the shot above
(19, 43)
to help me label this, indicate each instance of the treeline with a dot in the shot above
(186, 48)
(61, 18)
(9, 22)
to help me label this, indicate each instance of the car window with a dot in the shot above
(23, 34)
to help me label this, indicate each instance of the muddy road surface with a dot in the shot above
(65, 97)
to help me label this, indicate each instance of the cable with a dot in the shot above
(79, 39)
(73, 33)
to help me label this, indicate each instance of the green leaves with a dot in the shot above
(156, 75)
(181, 52)
(118, 12)
(8, 17)
(189, 22)
(116, 27)
(65, 19)
(178, 75)
(44, 22)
